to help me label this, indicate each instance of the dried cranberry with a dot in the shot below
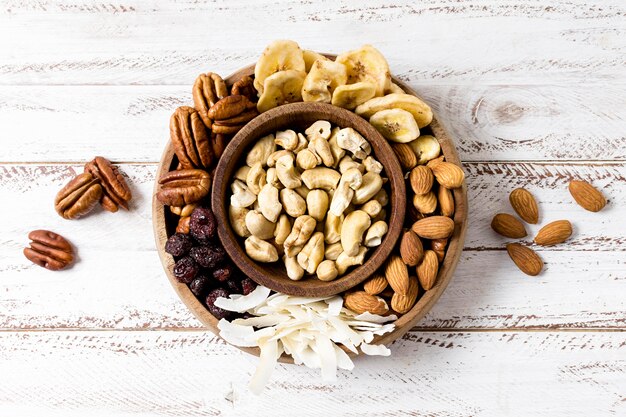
(219, 313)
(208, 256)
(200, 285)
(234, 286)
(185, 269)
(247, 286)
(202, 224)
(178, 244)
(223, 273)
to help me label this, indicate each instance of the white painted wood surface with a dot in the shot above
(534, 93)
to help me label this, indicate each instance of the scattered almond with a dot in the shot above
(525, 258)
(508, 226)
(361, 302)
(425, 203)
(446, 201)
(428, 269)
(405, 155)
(397, 274)
(403, 303)
(375, 285)
(411, 248)
(552, 233)
(524, 205)
(421, 179)
(447, 174)
(434, 227)
(587, 196)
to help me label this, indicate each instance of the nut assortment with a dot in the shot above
(299, 194)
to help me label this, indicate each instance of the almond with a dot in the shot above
(421, 179)
(428, 269)
(397, 274)
(446, 201)
(587, 196)
(525, 258)
(403, 303)
(425, 203)
(411, 248)
(439, 247)
(447, 174)
(553, 233)
(434, 227)
(405, 155)
(361, 302)
(524, 205)
(375, 285)
(508, 226)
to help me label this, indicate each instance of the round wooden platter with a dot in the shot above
(164, 225)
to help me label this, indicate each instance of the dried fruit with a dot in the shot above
(361, 302)
(115, 191)
(421, 179)
(233, 286)
(223, 274)
(552, 233)
(508, 226)
(200, 285)
(78, 197)
(525, 258)
(411, 248)
(178, 244)
(428, 269)
(202, 224)
(376, 284)
(185, 269)
(402, 303)
(448, 174)
(587, 196)
(217, 312)
(397, 274)
(49, 250)
(434, 227)
(524, 205)
(247, 286)
(207, 256)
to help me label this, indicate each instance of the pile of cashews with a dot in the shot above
(315, 199)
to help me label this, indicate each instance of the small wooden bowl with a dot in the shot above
(298, 116)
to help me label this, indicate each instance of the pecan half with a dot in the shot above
(208, 89)
(230, 106)
(190, 138)
(184, 186)
(78, 197)
(218, 144)
(245, 87)
(219, 128)
(49, 250)
(115, 191)
(183, 225)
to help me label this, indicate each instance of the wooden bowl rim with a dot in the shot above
(406, 321)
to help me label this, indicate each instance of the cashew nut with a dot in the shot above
(320, 128)
(375, 233)
(237, 218)
(372, 207)
(303, 228)
(327, 270)
(324, 178)
(354, 226)
(294, 205)
(350, 181)
(242, 173)
(347, 163)
(288, 139)
(381, 216)
(294, 270)
(306, 159)
(287, 172)
(302, 143)
(317, 204)
(321, 148)
(372, 184)
(312, 254)
(352, 141)
(302, 191)
(372, 165)
(382, 197)
(271, 177)
(260, 250)
(335, 149)
(242, 197)
(282, 230)
(256, 178)
(332, 228)
(258, 225)
(261, 150)
(332, 251)
(345, 261)
(271, 161)
(269, 204)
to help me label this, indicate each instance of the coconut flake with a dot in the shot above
(379, 350)
(244, 303)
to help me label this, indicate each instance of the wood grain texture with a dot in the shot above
(494, 374)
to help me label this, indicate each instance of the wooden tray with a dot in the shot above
(164, 225)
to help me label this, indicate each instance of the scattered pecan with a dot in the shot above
(208, 89)
(218, 144)
(183, 225)
(230, 106)
(115, 191)
(78, 197)
(49, 250)
(219, 128)
(190, 138)
(245, 87)
(184, 186)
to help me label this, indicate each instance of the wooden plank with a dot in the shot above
(428, 374)
(567, 41)
(130, 123)
(119, 283)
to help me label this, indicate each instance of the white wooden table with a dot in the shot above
(533, 91)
